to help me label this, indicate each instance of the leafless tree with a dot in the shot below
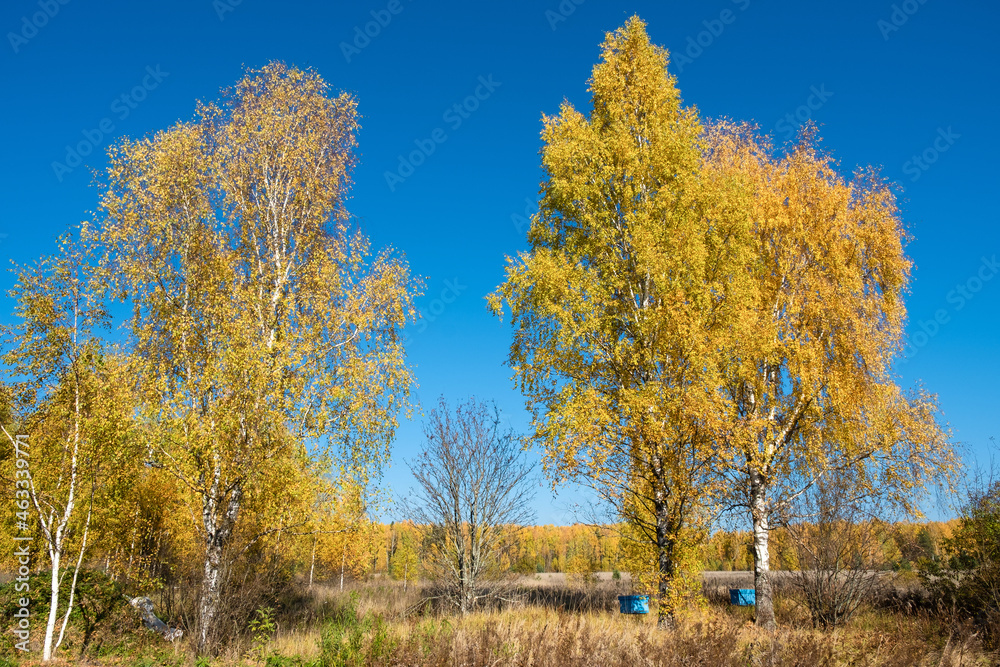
(839, 536)
(474, 493)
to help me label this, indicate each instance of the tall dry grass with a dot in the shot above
(552, 624)
(557, 623)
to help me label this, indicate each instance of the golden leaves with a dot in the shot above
(262, 320)
(612, 305)
(696, 304)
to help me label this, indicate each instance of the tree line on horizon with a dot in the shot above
(582, 550)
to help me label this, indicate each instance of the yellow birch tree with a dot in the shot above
(264, 328)
(616, 303)
(809, 378)
(73, 404)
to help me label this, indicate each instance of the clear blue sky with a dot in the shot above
(922, 83)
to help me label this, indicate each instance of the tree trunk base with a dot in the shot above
(764, 623)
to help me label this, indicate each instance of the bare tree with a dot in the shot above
(474, 491)
(839, 536)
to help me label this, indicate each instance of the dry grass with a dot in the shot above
(558, 623)
(539, 636)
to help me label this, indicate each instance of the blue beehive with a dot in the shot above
(634, 604)
(743, 597)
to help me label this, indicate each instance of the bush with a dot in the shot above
(353, 639)
(840, 552)
(971, 580)
(101, 613)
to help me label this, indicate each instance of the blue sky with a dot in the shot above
(910, 86)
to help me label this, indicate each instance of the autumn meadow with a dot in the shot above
(206, 379)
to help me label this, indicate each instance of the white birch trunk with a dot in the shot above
(217, 534)
(76, 573)
(759, 512)
(312, 564)
(50, 626)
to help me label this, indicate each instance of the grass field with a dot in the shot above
(549, 620)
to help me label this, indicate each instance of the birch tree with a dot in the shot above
(618, 304)
(809, 379)
(73, 405)
(406, 563)
(472, 495)
(263, 326)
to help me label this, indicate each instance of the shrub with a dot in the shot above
(971, 580)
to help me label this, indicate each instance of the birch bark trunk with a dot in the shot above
(217, 534)
(761, 563)
(50, 626)
(666, 566)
